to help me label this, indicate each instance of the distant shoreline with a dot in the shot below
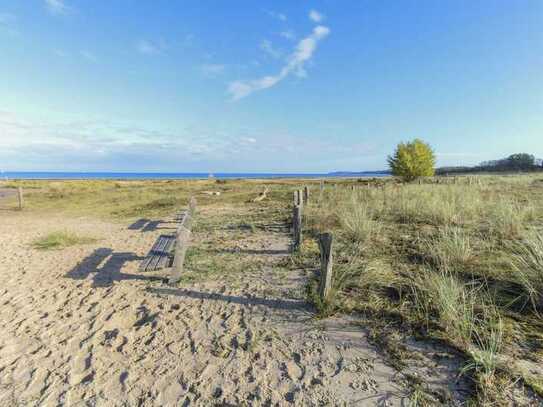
(123, 176)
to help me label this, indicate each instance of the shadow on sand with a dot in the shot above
(248, 251)
(105, 266)
(147, 225)
(280, 304)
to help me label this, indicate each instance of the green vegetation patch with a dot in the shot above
(60, 240)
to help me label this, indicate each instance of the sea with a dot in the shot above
(54, 175)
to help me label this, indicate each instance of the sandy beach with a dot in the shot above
(82, 326)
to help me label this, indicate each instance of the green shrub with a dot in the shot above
(412, 160)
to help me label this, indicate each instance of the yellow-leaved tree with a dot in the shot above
(412, 160)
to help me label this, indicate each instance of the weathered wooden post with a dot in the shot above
(182, 240)
(20, 197)
(321, 191)
(306, 194)
(295, 198)
(300, 198)
(192, 206)
(297, 226)
(325, 246)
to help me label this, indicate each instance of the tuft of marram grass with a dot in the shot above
(527, 265)
(450, 249)
(443, 295)
(60, 240)
(358, 223)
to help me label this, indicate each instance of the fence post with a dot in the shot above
(306, 194)
(300, 198)
(297, 226)
(321, 191)
(325, 246)
(192, 206)
(20, 197)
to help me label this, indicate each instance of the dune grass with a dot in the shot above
(60, 240)
(451, 257)
(527, 265)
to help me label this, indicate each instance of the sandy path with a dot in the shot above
(81, 326)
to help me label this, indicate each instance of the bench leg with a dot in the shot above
(181, 246)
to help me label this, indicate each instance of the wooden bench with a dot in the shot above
(169, 249)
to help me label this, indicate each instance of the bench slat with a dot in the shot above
(159, 256)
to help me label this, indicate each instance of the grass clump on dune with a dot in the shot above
(450, 249)
(358, 223)
(527, 262)
(60, 240)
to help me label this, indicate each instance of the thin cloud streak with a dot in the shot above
(212, 70)
(89, 56)
(57, 7)
(295, 65)
(146, 47)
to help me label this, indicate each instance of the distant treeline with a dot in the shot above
(514, 163)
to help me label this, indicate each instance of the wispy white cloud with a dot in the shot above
(89, 56)
(277, 16)
(315, 16)
(294, 65)
(57, 7)
(267, 47)
(80, 145)
(212, 70)
(288, 34)
(151, 48)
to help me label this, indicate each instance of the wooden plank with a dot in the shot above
(167, 259)
(179, 216)
(159, 254)
(161, 243)
(325, 246)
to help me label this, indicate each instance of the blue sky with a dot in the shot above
(267, 86)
